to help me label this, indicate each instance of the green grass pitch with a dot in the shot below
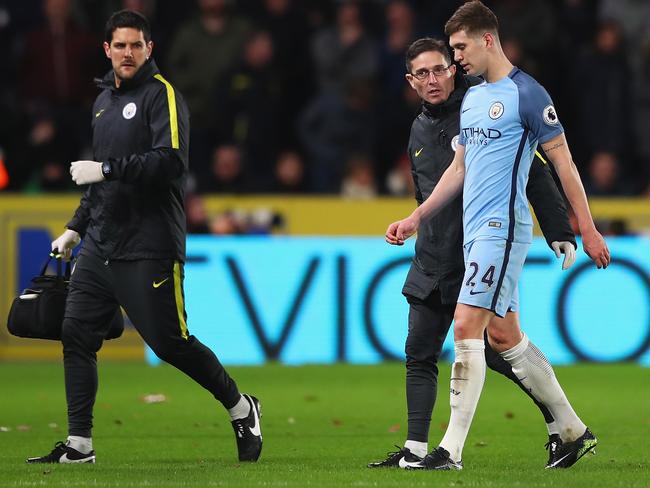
(321, 425)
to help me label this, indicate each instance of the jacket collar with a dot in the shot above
(148, 69)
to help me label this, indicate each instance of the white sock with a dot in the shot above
(552, 428)
(536, 374)
(420, 449)
(467, 378)
(82, 444)
(240, 410)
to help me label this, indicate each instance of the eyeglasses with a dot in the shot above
(423, 74)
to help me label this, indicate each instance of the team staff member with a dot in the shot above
(133, 224)
(433, 282)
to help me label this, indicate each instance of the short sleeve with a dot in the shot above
(538, 113)
(461, 134)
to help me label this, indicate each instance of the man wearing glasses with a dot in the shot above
(434, 279)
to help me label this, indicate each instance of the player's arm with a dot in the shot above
(450, 185)
(557, 151)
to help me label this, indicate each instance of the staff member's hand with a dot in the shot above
(566, 248)
(401, 230)
(85, 172)
(65, 243)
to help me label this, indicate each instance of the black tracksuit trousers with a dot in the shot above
(151, 293)
(429, 321)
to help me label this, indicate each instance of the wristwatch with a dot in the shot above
(107, 170)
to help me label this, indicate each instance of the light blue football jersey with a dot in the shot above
(501, 124)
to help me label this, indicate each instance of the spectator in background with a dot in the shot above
(534, 24)
(577, 20)
(332, 128)
(203, 51)
(398, 103)
(399, 182)
(247, 106)
(59, 62)
(289, 174)
(520, 19)
(260, 221)
(646, 190)
(263, 221)
(633, 16)
(400, 32)
(12, 121)
(602, 97)
(55, 81)
(226, 223)
(197, 217)
(285, 20)
(605, 177)
(359, 180)
(345, 51)
(47, 152)
(513, 49)
(227, 172)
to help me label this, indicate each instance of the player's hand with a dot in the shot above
(65, 243)
(566, 248)
(596, 248)
(85, 172)
(401, 230)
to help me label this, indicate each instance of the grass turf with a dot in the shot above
(321, 425)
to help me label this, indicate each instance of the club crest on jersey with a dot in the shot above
(129, 110)
(549, 115)
(454, 143)
(496, 110)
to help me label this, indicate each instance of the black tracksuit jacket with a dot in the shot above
(438, 263)
(142, 130)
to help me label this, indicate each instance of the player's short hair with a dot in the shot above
(474, 18)
(423, 45)
(127, 18)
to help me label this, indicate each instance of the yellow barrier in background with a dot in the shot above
(302, 215)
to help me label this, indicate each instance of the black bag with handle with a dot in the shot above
(38, 311)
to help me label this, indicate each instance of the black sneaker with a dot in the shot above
(248, 431)
(552, 446)
(401, 458)
(438, 459)
(569, 452)
(65, 455)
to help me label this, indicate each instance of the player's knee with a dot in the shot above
(502, 340)
(470, 322)
(465, 328)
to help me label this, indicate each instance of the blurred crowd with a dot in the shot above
(291, 96)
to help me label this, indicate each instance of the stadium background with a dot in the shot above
(300, 117)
